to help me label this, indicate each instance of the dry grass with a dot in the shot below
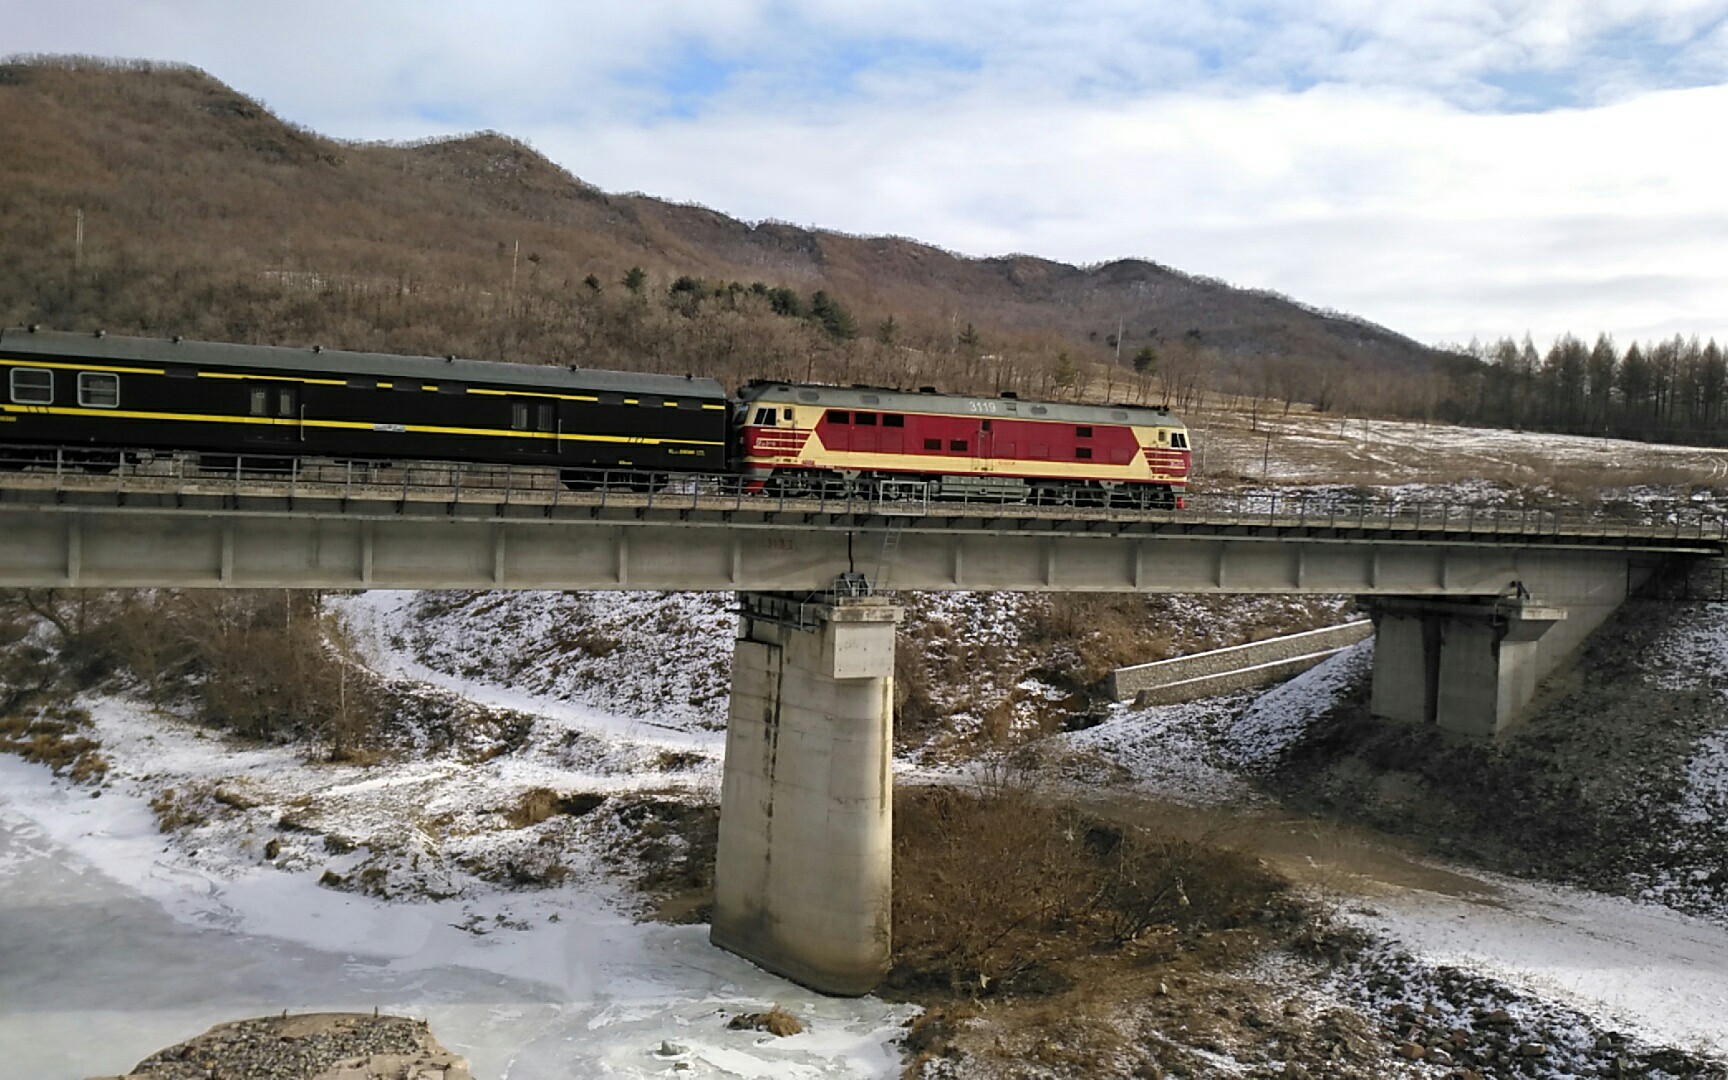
(540, 804)
(57, 737)
(776, 1021)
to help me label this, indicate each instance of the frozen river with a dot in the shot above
(111, 949)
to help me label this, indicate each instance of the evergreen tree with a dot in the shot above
(1065, 375)
(1146, 360)
(635, 278)
(887, 331)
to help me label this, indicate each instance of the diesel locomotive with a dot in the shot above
(93, 391)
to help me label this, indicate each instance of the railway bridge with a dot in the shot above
(1473, 606)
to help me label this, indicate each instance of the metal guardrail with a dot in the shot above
(454, 487)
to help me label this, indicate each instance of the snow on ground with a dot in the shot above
(659, 661)
(1168, 750)
(1653, 971)
(1283, 714)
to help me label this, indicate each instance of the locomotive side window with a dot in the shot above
(896, 420)
(868, 419)
(839, 416)
(1179, 441)
(260, 403)
(1083, 453)
(957, 445)
(98, 390)
(1083, 432)
(32, 386)
(932, 444)
(1163, 437)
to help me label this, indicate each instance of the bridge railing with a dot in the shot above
(453, 486)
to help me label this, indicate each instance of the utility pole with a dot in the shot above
(515, 253)
(78, 242)
(1118, 341)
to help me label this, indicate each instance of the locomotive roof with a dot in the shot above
(48, 344)
(884, 400)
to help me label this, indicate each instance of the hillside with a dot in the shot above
(207, 215)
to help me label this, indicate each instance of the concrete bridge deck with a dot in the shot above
(323, 525)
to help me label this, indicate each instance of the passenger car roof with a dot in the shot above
(50, 344)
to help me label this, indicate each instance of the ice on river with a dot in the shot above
(112, 946)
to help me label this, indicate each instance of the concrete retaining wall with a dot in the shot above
(1186, 678)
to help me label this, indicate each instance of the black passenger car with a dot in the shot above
(66, 389)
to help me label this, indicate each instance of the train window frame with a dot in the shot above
(840, 416)
(1163, 438)
(1179, 440)
(258, 402)
(864, 419)
(786, 414)
(897, 420)
(766, 417)
(20, 393)
(287, 402)
(91, 392)
(518, 416)
(545, 416)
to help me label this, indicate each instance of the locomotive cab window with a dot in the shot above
(1163, 437)
(32, 386)
(98, 390)
(544, 419)
(1179, 441)
(765, 417)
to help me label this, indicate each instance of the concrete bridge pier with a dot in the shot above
(802, 880)
(1469, 667)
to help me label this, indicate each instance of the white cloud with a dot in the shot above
(1347, 152)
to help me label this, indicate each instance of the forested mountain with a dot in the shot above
(203, 214)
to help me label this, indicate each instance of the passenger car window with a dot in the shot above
(32, 386)
(518, 416)
(260, 403)
(98, 390)
(544, 420)
(284, 403)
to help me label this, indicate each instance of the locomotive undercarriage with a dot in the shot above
(949, 488)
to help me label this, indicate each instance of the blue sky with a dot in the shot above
(1447, 167)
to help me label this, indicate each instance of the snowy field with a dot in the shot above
(116, 940)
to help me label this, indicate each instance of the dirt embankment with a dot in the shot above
(1614, 781)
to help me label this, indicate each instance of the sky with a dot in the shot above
(1449, 168)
